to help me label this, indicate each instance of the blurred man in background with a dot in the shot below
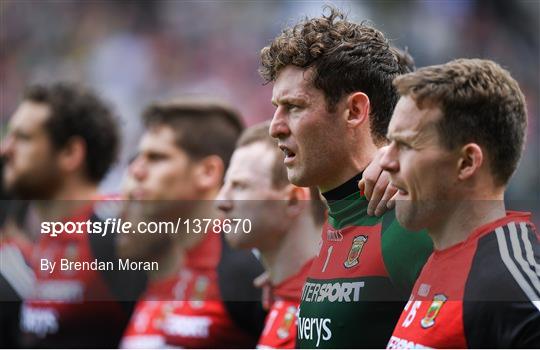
(334, 98)
(16, 277)
(457, 135)
(61, 141)
(286, 224)
(203, 294)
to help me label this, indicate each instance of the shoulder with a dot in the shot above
(502, 291)
(506, 264)
(404, 252)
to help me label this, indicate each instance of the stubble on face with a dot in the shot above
(31, 170)
(424, 175)
(316, 135)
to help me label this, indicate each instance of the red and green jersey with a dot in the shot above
(280, 324)
(360, 280)
(198, 316)
(144, 330)
(189, 308)
(481, 293)
(69, 307)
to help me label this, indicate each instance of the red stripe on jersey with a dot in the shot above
(433, 317)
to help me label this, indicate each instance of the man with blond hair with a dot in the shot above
(286, 222)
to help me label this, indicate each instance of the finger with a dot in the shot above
(262, 280)
(361, 186)
(382, 207)
(392, 202)
(368, 188)
(378, 192)
(369, 179)
(371, 175)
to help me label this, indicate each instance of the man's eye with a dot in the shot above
(21, 136)
(291, 107)
(239, 185)
(156, 157)
(403, 146)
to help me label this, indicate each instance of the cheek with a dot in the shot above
(36, 159)
(168, 178)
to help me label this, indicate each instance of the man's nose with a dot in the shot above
(137, 169)
(279, 127)
(6, 147)
(223, 201)
(389, 160)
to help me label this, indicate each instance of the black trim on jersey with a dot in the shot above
(515, 246)
(497, 311)
(10, 306)
(236, 271)
(343, 190)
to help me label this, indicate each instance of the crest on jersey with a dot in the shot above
(433, 311)
(356, 249)
(284, 329)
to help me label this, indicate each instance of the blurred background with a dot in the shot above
(135, 52)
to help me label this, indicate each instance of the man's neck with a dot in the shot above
(354, 166)
(69, 198)
(297, 247)
(169, 261)
(464, 219)
(76, 190)
(201, 209)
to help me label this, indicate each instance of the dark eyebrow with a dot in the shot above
(398, 138)
(290, 100)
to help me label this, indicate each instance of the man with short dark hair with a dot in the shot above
(285, 223)
(457, 135)
(334, 98)
(202, 296)
(61, 141)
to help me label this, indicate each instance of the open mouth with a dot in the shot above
(401, 190)
(289, 155)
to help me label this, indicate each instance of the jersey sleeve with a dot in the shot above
(501, 324)
(404, 252)
(501, 306)
(236, 271)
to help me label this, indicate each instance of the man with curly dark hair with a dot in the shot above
(61, 141)
(334, 99)
(52, 124)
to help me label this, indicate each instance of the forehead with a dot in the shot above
(409, 120)
(294, 82)
(29, 115)
(253, 161)
(158, 137)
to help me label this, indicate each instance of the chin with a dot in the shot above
(234, 241)
(405, 217)
(299, 179)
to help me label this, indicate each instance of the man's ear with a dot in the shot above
(297, 199)
(71, 157)
(208, 172)
(470, 161)
(358, 106)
